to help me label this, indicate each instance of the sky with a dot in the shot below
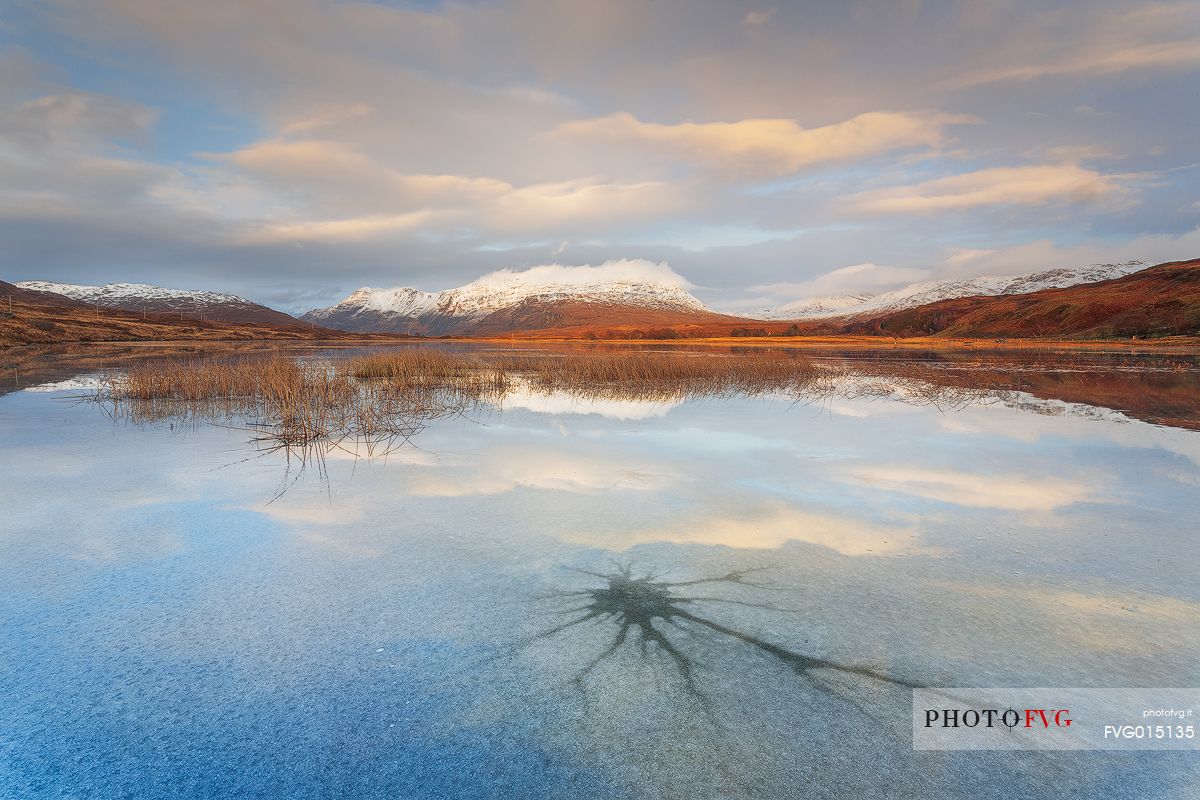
(291, 151)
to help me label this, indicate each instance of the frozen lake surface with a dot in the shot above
(563, 596)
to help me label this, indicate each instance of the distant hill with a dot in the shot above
(29, 316)
(925, 292)
(139, 297)
(1157, 301)
(19, 294)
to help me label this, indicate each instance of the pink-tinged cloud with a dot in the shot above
(771, 146)
(1036, 185)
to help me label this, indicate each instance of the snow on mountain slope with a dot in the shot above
(158, 299)
(403, 301)
(628, 284)
(814, 308)
(112, 294)
(918, 294)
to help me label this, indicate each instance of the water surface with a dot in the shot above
(569, 596)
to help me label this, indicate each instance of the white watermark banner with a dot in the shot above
(1055, 719)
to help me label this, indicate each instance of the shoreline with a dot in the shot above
(1174, 344)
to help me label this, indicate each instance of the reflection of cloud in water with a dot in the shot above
(505, 469)
(552, 402)
(769, 526)
(319, 510)
(1024, 427)
(82, 383)
(1013, 492)
(847, 409)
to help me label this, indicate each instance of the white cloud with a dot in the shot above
(328, 191)
(338, 230)
(584, 204)
(1037, 185)
(772, 146)
(634, 270)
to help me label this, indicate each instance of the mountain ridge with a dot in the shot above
(148, 298)
(1162, 300)
(480, 306)
(936, 290)
(34, 317)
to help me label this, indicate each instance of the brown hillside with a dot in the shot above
(1163, 300)
(48, 318)
(17, 294)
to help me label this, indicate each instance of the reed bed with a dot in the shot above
(300, 407)
(673, 375)
(383, 399)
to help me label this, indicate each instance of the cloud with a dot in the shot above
(336, 230)
(1014, 492)
(1096, 61)
(583, 204)
(73, 119)
(1043, 254)
(333, 177)
(619, 271)
(367, 143)
(756, 18)
(74, 152)
(1036, 185)
(772, 146)
(335, 193)
(1148, 36)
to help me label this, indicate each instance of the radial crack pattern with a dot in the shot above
(652, 610)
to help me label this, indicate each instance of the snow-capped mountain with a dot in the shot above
(918, 294)
(157, 299)
(539, 297)
(815, 307)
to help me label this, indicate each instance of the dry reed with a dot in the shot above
(385, 398)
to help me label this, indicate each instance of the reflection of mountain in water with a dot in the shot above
(1160, 389)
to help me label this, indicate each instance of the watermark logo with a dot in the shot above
(1055, 719)
(991, 717)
